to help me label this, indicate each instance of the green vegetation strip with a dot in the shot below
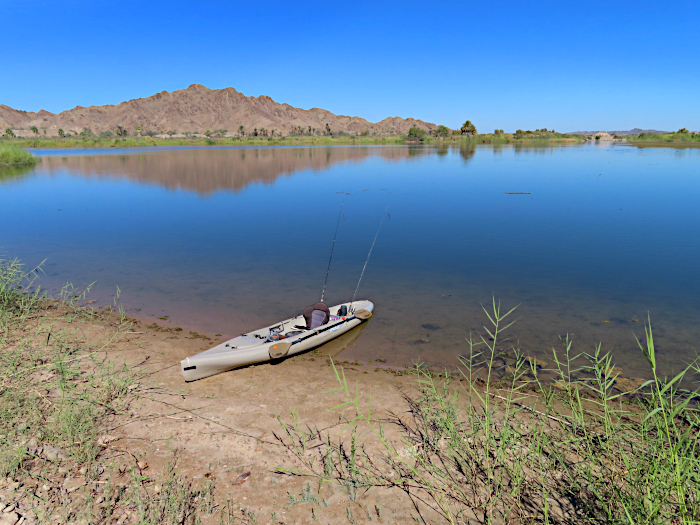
(12, 156)
(681, 136)
(413, 137)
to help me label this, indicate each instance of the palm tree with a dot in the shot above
(207, 133)
(241, 131)
(171, 133)
(61, 133)
(119, 131)
(138, 130)
(35, 130)
(10, 134)
(468, 128)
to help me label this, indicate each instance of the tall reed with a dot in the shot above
(495, 443)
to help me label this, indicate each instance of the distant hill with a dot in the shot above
(198, 108)
(635, 131)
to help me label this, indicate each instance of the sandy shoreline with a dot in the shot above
(264, 443)
(226, 426)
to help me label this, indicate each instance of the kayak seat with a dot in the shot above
(316, 315)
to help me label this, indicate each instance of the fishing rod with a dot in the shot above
(331, 257)
(368, 255)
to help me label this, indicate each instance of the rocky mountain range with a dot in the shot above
(199, 108)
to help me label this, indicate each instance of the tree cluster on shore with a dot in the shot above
(681, 136)
(121, 136)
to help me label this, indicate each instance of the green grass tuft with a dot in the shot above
(12, 156)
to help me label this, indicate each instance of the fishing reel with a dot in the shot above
(275, 334)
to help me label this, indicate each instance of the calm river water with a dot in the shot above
(228, 240)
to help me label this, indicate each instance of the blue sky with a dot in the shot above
(563, 65)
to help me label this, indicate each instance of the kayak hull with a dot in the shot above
(255, 347)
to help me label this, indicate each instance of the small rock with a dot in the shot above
(107, 438)
(54, 454)
(629, 384)
(242, 478)
(9, 518)
(83, 471)
(142, 465)
(539, 363)
(73, 484)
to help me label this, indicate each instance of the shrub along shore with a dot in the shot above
(415, 136)
(13, 156)
(682, 136)
(293, 140)
(82, 416)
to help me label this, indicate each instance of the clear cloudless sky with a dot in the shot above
(508, 64)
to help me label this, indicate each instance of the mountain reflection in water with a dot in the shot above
(206, 170)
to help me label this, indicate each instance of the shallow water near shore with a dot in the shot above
(586, 239)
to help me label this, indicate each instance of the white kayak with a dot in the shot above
(317, 325)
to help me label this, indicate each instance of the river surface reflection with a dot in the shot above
(586, 239)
